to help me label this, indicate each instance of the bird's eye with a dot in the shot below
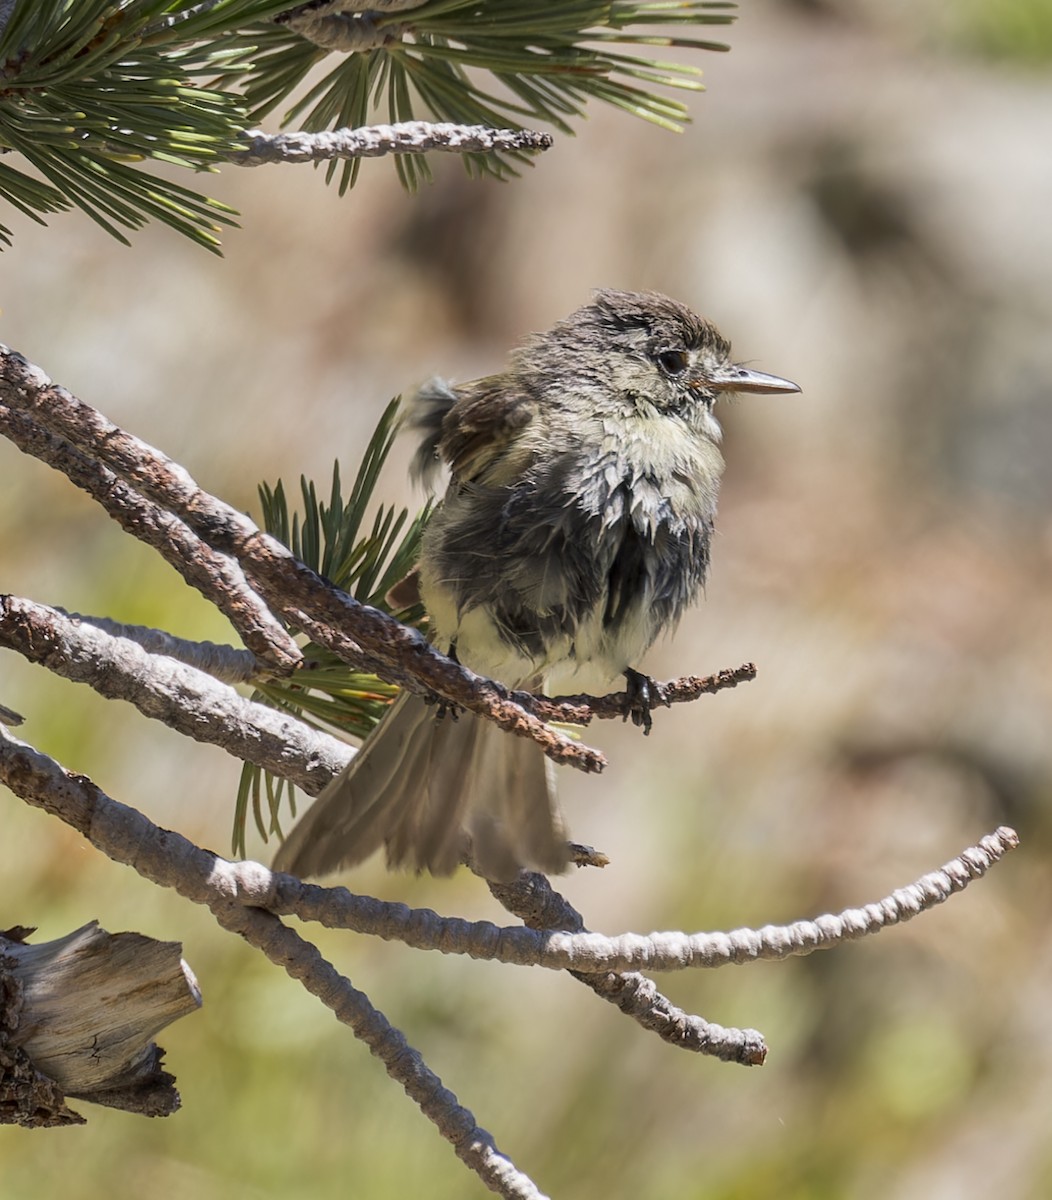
(674, 362)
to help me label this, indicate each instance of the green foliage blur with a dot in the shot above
(1015, 32)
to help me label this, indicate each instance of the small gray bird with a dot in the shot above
(574, 529)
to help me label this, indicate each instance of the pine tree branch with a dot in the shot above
(237, 892)
(226, 663)
(539, 906)
(93, 90)
(336, 908)
(181, 697)
(356, 633)
(168, 859)
(214, 574)
(374, 141)
(582, 709)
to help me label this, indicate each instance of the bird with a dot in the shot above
(575, 528)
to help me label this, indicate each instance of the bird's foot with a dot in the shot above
(641, 695)
(443, 707)
(446, 708)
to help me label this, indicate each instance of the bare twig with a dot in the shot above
(237, 892)
(408, 658)
(226, 663)
(169, 859)
(539, 906)
(582, 709)
(375, 141)
(593, 952)
(303, 961)
(252, 884)
(127, 836)
(211, 573)
(185, 699)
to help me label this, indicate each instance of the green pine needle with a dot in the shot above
(365, 557)
(95, 91)
(84, 98)
(544, 61)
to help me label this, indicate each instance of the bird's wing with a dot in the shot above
(482, 427)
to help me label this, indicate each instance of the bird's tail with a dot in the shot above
(428, 789)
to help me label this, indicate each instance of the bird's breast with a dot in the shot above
(581, 563)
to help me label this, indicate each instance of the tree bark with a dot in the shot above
(76, 1018)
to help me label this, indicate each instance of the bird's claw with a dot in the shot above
(446, 707)
(641, 694)
(443, 707)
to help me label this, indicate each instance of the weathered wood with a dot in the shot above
(76, 1018)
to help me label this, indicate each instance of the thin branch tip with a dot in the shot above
(582, 708)
(377, 141)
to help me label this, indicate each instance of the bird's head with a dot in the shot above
(645, 351)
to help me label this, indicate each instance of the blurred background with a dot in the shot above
(862, 204)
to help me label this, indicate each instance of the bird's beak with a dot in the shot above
(733, 378)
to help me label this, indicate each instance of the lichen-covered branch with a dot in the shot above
(183, 698)
(538, 905)
(213, 574)
(165, 857)
(593, 952)
(583, 709)
(226, 663)
(168, 859)
(376, 141)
